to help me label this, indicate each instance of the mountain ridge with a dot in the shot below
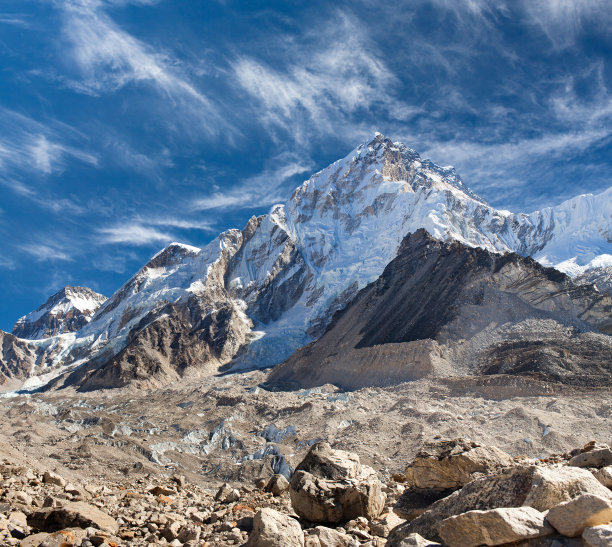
(282, 277)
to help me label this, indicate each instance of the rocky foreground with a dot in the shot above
(455, 492)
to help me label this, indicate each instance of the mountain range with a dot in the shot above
(252, 297)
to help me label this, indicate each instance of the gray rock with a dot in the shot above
(77, 514)
(332, 538)
(572, 517)
(452, 464)
(273, 529)
(604, 476)
(539, 487)
(599, 457)
(598, 536)
(53, 478)
(332, 486)
(277, 484)
(414, 501)
(494, 527)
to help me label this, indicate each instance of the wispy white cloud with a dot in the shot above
(110, 58)
(43, 252)
(133, 234)
(7, 263)
(264, 189)
(335, 75)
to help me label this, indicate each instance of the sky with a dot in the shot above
(128, 124)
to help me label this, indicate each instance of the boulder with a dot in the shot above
(494, 527)
(598, 536)
(227, 494)
(535, 486)
(604, 476)
(77, 514)
(598, 457)
(273, 529)
(414, 501)
(452, 464)
(332, 538)
(572, 517)
(53, 478)
(277, 484)
(332, 486)
(383, 525)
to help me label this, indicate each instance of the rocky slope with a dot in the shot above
(67, 310)
(251, 297)
(445, 309)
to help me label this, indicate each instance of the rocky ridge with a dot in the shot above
(445, 309)
(251, 297)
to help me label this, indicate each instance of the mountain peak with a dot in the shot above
(65, 311)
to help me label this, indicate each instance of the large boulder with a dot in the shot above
(414, 501)
(494, 527)
(535, 486)
(77, 514)
(273, 529)
(598, 536)
(572, 517)
(332, 486)
(597, 457)
(604, 476)
(452, 464)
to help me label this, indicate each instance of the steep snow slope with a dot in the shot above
(66, 311)
(278, 281)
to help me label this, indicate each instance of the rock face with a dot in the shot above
(494, 527)
(332, 486)
(66, 311)
(539, 487)
(573, 516)
(451, 464)
(447, 309)
(251, 297)
(273, 529)
(17, 358)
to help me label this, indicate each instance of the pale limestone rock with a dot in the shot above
(598, 536)
(604, 476)
(451, 464)
(332, 486)
(53, 478)
(273, 529)
(535, 486)
(416, 540)
(572, 517)
(277, 484)
(494, 527)
(332, 538)
(76, 514)
(598, 457)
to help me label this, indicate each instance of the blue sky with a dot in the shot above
(127, 124)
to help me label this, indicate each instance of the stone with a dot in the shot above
(162, 491)
(53, 478)
(598, 536)
(494, 527)
(535, 486)
(452, 464)
(77, 514)
(277, 484)
(383, 525)
(329, 537)
(598, 457)
(604, 476)
(416, 540)
(572, 517)
(273, 529)
(415, 501)
(227, 494)
(331, 486)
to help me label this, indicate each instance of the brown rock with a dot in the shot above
(598, 457)
(414, 501)
(534, 486)
(572, 517)
(452, 464)
(77, 514)
(494, 527)
(277, 484)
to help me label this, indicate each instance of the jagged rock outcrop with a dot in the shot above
(446, 309)
(17, 358)
(68, 310)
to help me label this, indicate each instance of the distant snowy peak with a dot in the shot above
(66, 311)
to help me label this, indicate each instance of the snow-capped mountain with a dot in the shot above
(66, 311)
(252, 297)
